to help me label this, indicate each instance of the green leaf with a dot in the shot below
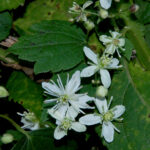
(130, 88)
(39, 10)
(128, 49)
(147, 34)
(24, 91)
(43, 140)
(10, 4)
(56, 46)
(143, 14)
(5, 25)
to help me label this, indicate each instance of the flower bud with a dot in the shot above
(101, 91)
(103, 13)
(89, 25)
(7, 138)
(3, 92)
(134, 8)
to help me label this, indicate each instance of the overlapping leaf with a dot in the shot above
(130, 88)
(39, 10)
(10, 4)
(55, 46)
(24, 91)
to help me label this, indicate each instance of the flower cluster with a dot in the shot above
(68, 103)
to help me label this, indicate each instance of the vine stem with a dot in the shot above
(15, 125)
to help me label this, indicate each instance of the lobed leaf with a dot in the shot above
(55, 46)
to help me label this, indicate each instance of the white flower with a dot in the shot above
(100, 65)
(65, 96)
(65, 121)
(105, 3)
(29, 120)
(113, 43)
(76, 9)
(105, 118)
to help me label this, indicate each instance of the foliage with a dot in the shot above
(85, 45)
(10, 4)
(52, 43)
(5, 25)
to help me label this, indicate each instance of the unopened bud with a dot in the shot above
(7, 138)
(3, 92)
(103, 13)
(89, 25)
(101, 91)
(134, 8)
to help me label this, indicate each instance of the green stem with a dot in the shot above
(15, 125)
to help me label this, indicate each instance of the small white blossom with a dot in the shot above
(106, 4)
(113, 43)
(65, 96)
(100, 65)
(65, 121)
(29, 120)
(77, 9)
(105, 118)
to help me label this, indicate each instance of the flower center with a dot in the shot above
(105, 60)
(116, 42)
(63, 99)
(66, 124)
(108, 116)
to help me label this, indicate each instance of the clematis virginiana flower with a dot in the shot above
(114, 43)
(106, 4)
(105, 118)
(76, 9)
(65, 121)
(100, 65)
(29, 120)
(66, 96)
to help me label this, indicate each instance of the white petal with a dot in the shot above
(105, 3)
(86, 98)
(74, 83)
(88, 71)
(90, 119)
(78, 127)
(115, 34)
(58, 113)
(121, 42)
(101, 105)
(87, 4)
(110, 49)
(51, 88)
(90, 54)
(75, 105)
(83, 102)
(108, 131)
(105, 78)
(71, 113)
(114, 64)
(105, 39)
(50, 101)
(59, 133)
(118, 111)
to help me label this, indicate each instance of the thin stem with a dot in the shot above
(15, 125)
